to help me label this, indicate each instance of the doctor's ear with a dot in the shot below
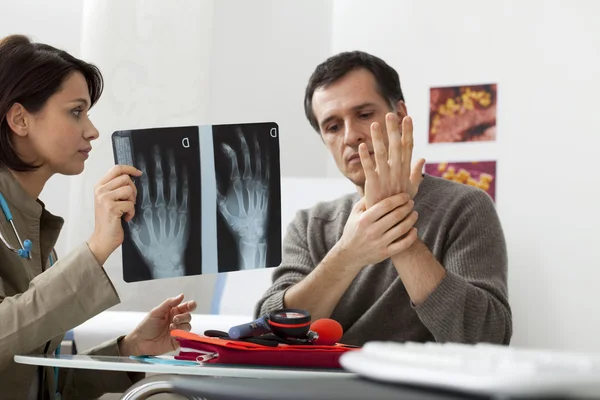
(17, 119)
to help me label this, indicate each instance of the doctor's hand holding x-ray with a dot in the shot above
(115, 197)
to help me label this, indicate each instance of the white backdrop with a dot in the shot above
(544, 57)
(228, 61)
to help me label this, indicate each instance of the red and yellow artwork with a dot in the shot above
(481, 174)
(462, 114)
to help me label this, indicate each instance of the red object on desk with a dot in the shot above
(247, 353)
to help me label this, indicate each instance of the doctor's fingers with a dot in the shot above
(117, 171)
(182, 318)
(125, 209)
(121, 193)
(120, 181)
(183, 327)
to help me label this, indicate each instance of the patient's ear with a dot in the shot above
(17, 119)
(401, 112)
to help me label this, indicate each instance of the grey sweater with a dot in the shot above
(458, 224)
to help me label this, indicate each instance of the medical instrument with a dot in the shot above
(285, 323)
(25, 250)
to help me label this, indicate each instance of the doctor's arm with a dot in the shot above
(75, 289)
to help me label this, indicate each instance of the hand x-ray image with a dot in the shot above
(248, 196)
(158, 239)
(208, 200)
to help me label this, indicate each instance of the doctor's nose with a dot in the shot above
(91, 133)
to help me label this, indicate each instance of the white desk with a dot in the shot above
(126, 364)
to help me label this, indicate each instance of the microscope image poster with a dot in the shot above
(463, 113)
(208, 200)
(480, 174)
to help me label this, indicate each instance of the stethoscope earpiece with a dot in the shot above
(26, 250)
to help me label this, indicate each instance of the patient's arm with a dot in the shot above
(298, 284)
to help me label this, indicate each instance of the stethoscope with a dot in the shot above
(25, 250)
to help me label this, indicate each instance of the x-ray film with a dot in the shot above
(208, 201)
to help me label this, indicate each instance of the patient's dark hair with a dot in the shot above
(335, 67)
(30, 73)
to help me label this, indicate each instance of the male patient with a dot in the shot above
(408, 257)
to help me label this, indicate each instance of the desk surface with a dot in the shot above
(81, 361)
(288, 389)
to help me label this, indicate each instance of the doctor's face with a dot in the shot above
(60, 134)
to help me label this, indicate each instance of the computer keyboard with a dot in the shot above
(484, 369)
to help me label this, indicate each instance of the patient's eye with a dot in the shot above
(332, 128)
(365, 115)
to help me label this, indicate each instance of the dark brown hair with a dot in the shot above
(30, 73)
(335, 67)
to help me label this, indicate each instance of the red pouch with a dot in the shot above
(226, 351)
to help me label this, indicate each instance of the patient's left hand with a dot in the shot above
(390, 172)
(152, 335)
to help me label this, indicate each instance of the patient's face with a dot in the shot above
(345, 111)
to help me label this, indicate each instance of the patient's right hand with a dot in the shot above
(373, 235)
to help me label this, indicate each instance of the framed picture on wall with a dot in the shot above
(463, 113)
(480, 174)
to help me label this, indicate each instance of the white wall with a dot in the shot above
(544, 57)
(39, 20)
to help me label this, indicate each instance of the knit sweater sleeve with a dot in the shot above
(296, 264)
(471, 303)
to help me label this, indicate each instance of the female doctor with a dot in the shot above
(45, 96)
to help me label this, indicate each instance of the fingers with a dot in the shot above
(158, 172)
(118, 170)
(235, 172)
(246, 153)
(146, 202)
(121, 180)
(367, 163)
(257, 173)
(381, 154)
(122, 193)
(404, 243)
(165, 307)
(394, 143)
(124, 209)
(386, 205)
(183, 327)
(391, 219)
(416, 174)
(187, 307)
(401, 228)
(407, 148)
